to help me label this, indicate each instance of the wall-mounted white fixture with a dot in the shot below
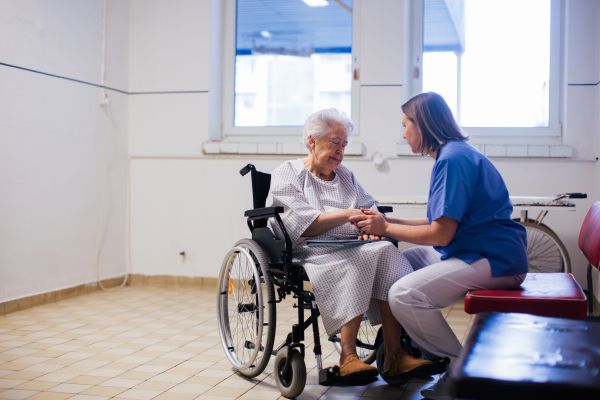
(378, 159)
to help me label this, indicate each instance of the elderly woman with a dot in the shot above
(319, 196)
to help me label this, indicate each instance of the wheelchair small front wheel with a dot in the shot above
(246, 308)
(290, 381)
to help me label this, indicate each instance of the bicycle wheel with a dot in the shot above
(366, 335)
(545, 251)
(246, 311)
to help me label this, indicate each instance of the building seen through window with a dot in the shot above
(490, 60)
(292, 58)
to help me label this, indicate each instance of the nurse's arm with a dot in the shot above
(409, 222)
(439, 233)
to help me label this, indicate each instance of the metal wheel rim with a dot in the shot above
(286, 380)
(265, 317)
(543, 252)
(224, 321)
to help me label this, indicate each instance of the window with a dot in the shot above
(288, 60)
(495, 62)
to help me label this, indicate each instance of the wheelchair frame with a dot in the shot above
(269, 263)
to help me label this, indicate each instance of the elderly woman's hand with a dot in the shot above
(370, 222)
(371, 237)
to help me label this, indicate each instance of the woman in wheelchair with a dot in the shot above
(468, 240)
(320, 196)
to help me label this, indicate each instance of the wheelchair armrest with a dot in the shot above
(385, 209)
(266, 212)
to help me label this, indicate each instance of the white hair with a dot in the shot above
(320, 123)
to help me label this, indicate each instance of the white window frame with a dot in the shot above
(272, 134)
(547, 135)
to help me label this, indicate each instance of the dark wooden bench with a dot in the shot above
(522, 356)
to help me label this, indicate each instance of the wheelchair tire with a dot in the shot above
(292, 383)
(367, 335)
(246, 317)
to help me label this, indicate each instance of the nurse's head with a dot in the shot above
(429, 123)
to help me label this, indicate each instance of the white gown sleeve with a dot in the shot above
(364, 199)
(286, 191)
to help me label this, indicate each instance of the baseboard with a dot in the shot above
(138, 280)
(172, 281)
(24, 303)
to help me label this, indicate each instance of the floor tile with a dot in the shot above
(17, 394)
(179, 396)
(190, 388)
(121, 383)
(104, 391)
(139, 394)
(150, 342)
(50, 396)
(37, 386)
(69, 388)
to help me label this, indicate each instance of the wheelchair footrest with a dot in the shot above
(331, 377)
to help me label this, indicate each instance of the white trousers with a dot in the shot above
(416, 298)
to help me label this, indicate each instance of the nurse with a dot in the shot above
(467, 242)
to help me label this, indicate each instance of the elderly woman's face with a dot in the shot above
(328, 151)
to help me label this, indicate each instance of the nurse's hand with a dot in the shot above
(370, 222)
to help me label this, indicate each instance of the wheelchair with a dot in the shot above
(255, 276)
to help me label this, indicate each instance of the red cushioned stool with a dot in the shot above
(549, 295)
(589, 244)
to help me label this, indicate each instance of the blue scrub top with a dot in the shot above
(467, 187)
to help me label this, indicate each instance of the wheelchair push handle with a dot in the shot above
(247, 169)
(576, 195)
(571, 196)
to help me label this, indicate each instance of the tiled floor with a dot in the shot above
(152, 343)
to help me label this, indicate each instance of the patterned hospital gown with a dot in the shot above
(345, 280)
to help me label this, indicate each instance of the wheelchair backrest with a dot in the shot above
(261, 183)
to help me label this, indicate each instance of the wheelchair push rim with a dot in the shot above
(240, 313)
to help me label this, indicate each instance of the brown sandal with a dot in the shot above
(352, 366)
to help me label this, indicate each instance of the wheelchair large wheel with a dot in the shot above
(366, 335)
(291, 382)
(246, 308)
(545, 251)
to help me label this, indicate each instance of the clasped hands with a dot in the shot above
(370, 224)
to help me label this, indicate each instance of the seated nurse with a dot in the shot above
(467, 242)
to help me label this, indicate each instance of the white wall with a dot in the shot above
(194, 203)
(51, 136)
(52, 132)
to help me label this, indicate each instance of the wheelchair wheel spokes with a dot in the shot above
(545, 251)
(246, 309)
(239, 314)
(366, 336)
